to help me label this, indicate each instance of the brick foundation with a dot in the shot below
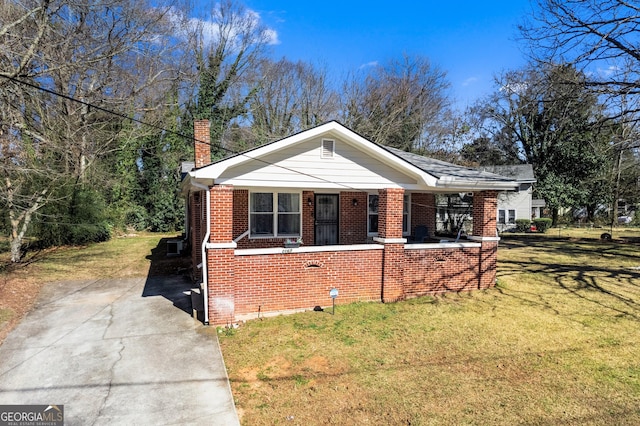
(278, 282)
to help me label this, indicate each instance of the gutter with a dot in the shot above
(205, 277)
(472, 185)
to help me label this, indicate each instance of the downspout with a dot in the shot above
(205, 278)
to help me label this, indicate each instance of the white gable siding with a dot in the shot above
(302, 165)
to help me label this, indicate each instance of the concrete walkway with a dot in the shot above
(118, 352)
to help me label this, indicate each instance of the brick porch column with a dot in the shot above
(221, 257)
(485, 209)
(390, 203)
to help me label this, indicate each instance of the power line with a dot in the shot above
(99, 108)
(157, 127)
(182, 135)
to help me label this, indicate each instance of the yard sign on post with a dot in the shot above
(333, 293)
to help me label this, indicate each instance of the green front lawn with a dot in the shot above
(556, 342)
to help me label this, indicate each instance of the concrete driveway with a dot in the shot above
(118, 351)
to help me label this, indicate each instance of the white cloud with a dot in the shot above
(469, 81)
(272, 36)
(609, 71)
(369, 65)
(211, 28)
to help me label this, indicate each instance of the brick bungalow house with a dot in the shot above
(357, 208)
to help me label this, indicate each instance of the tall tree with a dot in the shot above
(598, 37)
(402, 104)
(91, 56)
(161, 155)
(553, 123)
(292, 96)
(483, 151)
(227, 48)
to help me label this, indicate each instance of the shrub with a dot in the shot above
(542, 224)
(135, 217)
(523, 225)
(77, 219)
(85, 233)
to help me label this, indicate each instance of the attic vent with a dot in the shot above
(328, 148)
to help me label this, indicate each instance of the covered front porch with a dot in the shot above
(365, 216)
(253, 276)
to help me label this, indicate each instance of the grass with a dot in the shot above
(121, 257)
(124, 256)
(556, 342)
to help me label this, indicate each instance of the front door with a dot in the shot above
(326, 219)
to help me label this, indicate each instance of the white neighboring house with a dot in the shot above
(519, 204)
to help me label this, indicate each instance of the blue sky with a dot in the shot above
(470, 40)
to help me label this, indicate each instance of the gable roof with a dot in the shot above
(426, 173)
(522, 173)
(444, 170)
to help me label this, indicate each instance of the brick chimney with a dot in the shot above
(202, 143)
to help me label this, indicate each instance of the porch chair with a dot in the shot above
(421, 235)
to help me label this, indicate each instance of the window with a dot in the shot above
(274, 214)
(328, 148)
(512, 216)
(405, 213)
(373, 214)
(501, 217)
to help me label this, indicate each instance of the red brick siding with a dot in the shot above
(241, 285)
(202, 143)
(240, 213)
(488, 264)
(222, 286)
(423, 212)
(353, 219)
(390, 206)
(485, 207)
(221, 262)
(303, 280)
(440, 270)
(393, 272)
(221, 214)
(308, 218)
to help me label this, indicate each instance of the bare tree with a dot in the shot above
(401, 104)
(540, 116)
(230, 42)
(291, 97)
(89, 58)
(598, 37)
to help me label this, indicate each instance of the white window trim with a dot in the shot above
(369, 233)
(408, 230)
(506, 216)
(275, 213)
(404, 232)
